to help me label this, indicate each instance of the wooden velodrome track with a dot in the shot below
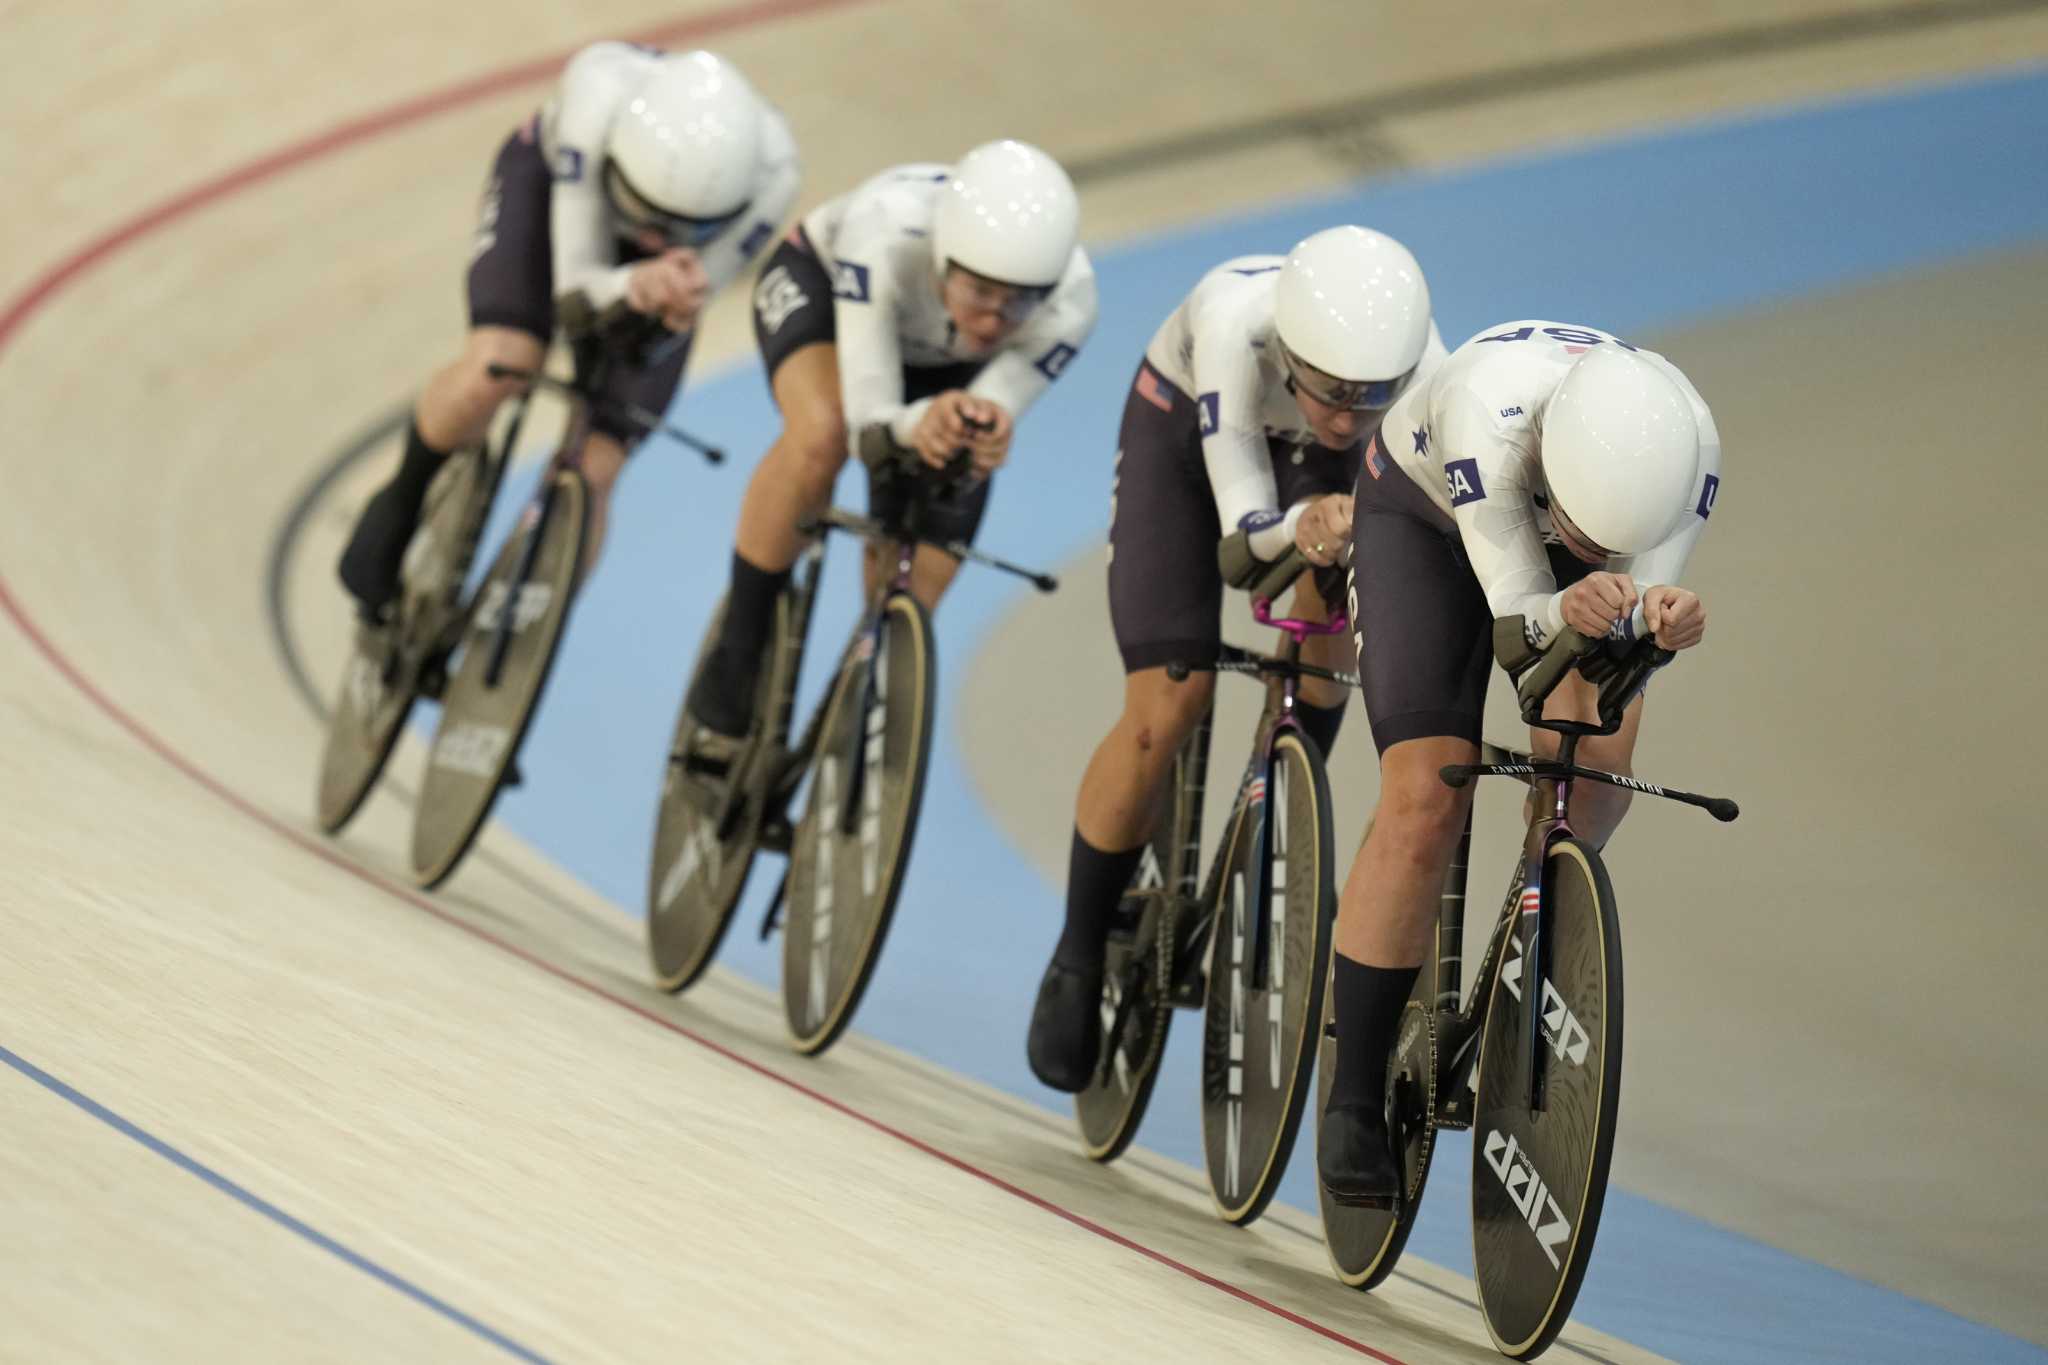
(262, 1103)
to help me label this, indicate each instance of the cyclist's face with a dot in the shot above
(1335, 428)
(1581, 548)
(985, 312)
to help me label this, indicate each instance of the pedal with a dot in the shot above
(777, 834)
(433, 679)
(1190, 992)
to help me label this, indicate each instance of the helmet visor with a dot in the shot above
(1569, 531)
(638, 211)
(1350, 395)
(1014, 302)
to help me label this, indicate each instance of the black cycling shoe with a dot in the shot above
(722, 700)
(375, 553)
(1065, 1043)
(1355, 1158)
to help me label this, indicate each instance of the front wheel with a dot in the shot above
(849, 851)
(1539, 1177)
(1263, 1014)
(484, 717)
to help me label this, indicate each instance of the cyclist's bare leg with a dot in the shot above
(1388, 908)
(455, 408)
(1114, 814)
(603, 458)
(1119, 798)
(453, 412)
(792, 484)
(1597, 807)
(1385, 917)
(794, 480)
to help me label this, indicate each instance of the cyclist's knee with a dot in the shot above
(1419, 812)
(603, 458)
(814, 440)
(1163, 713)
(475, 390)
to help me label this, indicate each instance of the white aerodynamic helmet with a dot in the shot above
(683, 152)
(1007, 212)
(1621, 450)
(1351, 310)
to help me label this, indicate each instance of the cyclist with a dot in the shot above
(1247, 413)
(934, 302)
(1545, 471)
(648, 177)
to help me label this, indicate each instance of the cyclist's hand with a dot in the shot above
(671, 286)
(992, 446)
(1324, 528)
(1597, 601)
(1676, 617)
(943, 429)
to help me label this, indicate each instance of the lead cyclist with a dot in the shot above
(1546, 471)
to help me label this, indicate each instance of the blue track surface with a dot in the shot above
(1639, 235)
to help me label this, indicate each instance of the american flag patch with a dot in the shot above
(1255, 791)
(1532, 898)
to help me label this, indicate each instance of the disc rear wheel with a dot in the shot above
(703, 850)
(380, 681)
(1138, 964)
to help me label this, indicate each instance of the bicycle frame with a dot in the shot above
(1527, 897)
(1288, 669)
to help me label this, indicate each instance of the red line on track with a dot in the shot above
(57, 278)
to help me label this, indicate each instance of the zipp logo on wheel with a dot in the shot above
(1528, 1191)
(1567, 1037)
(534, 601)
(472, 748)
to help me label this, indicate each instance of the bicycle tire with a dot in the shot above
(878, 724)
(1532, 1236)
(1255, 1080)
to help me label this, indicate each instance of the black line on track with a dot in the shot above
(1346, 128)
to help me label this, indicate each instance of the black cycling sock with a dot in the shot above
(416, 469)
(1096, 882)
(1368, 1008)
(725, 688)
(1320, 723)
